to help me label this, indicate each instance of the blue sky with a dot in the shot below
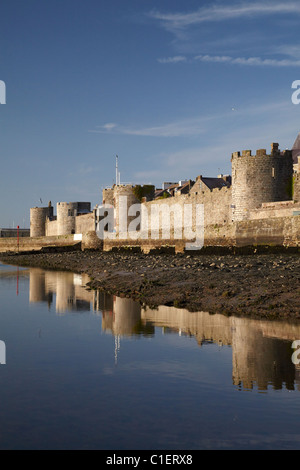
(171, 87)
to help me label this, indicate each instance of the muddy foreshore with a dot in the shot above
(256, 285)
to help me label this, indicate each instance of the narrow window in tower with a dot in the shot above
(273, 172)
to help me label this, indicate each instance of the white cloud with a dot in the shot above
(186, 26)
(172, 60)
(212, 159)
(109, 126)
(194, 126)
(176, 22)
(290, 50)
(252, 61)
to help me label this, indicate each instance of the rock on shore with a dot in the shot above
(257, 285)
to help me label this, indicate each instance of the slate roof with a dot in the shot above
(212, 183)
(296, 149)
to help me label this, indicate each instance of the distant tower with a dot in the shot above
(119, 192)
(260, 178)
(38, 217)
(66, 215)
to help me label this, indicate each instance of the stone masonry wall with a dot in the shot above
(217, 207)
(80, 224)
(108, 196)
(85, 223)
(260, 178)
(35, 243)
(51, 228)
(284, 231)
(159, 227)
(296, 195)
(275, 209)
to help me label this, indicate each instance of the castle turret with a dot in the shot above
(108, 196)
(124, 198)
(37, 285)
(260, 178)
(38, 217)
(67, 213)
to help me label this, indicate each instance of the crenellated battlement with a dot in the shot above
(260, 178)
(275, 152)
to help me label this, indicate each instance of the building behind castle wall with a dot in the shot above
(260, 178)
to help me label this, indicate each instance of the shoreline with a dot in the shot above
(262, 286)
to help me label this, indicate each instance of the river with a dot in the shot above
(87, 370)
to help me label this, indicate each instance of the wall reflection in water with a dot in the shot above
(261, 350)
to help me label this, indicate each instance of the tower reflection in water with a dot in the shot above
(261, 350)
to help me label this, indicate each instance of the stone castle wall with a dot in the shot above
(296, 189)
(262, 204)
(69, 220)
(283, 231)
(217, 210)
(85, 223)
(51, 228)
(217, 204)
(274, 209)
(36, 243)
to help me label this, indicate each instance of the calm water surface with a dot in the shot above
(85, 370)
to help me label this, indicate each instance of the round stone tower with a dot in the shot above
(124, 198)
(66, 213)
(37, 285)
(260, 178)
(38, 217)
